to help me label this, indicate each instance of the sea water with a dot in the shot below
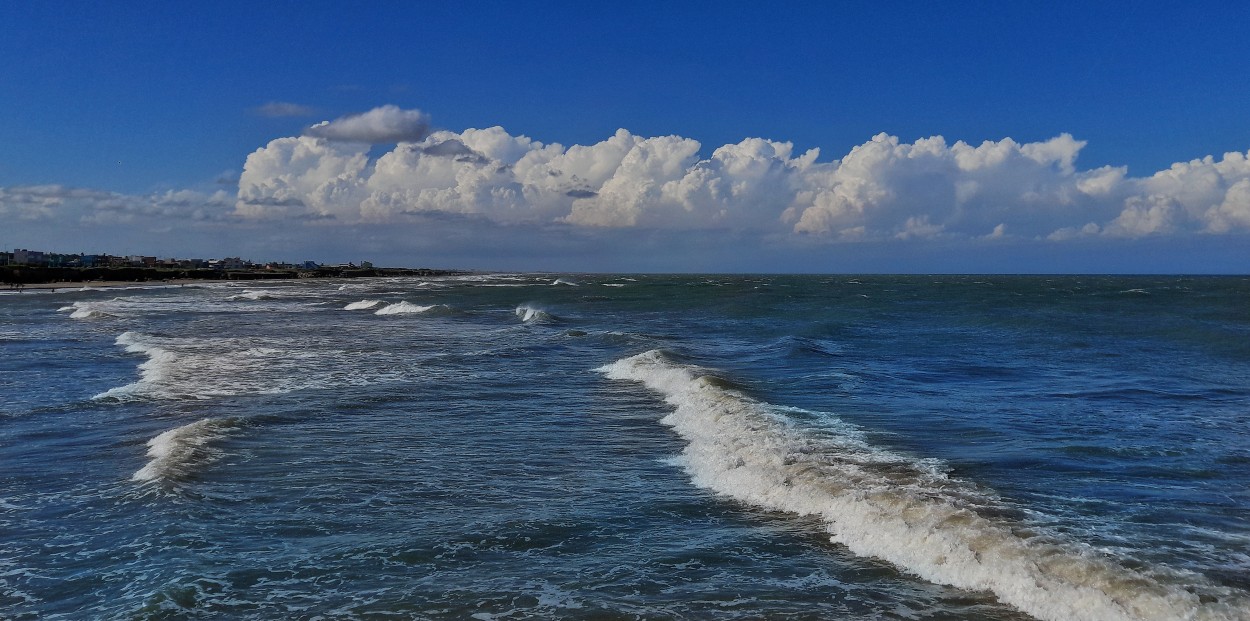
(510, 446)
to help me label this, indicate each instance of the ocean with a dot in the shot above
(537, 446)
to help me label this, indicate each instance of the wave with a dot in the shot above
(406, 308)
(362, 305)
(160, 365)
(565, 281)
(253, 295)
(905, 511)
(533, 314)
(178, 452)
(85, 310)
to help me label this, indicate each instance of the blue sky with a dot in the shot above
(176, 129)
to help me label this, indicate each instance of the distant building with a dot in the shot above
(366, 264)
(311, 265)
(22, 256)
(228, 263)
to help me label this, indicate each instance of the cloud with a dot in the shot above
(384, 125)
(886, 191)
(882, 189)
(279, 109)
(57, 203)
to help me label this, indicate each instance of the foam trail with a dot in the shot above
(888, 506)
(362, 305)
(179, 451)
(404, 308)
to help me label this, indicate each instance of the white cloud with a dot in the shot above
(383, 125)
(882, 189)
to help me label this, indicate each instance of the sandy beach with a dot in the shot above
(107, 284)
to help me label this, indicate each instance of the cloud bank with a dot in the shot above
(882, 189)
(386, 186)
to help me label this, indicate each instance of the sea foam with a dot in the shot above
(905, 511)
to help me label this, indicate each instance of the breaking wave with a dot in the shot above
(254, 295)
(362, 305)
(178, 452)
(533, 314)
(906, 511)
(405, 308)
(85, 310)
(160, 365)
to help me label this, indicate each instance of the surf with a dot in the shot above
(903, 510)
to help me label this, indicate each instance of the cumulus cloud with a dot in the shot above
(882, 189)
(279, 109)
(384, 125)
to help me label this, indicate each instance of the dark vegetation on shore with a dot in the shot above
(31, 275)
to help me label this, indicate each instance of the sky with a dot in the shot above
(971, 137)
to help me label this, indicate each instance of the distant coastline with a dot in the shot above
(20, 276)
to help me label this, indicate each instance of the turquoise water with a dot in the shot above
(602, 446)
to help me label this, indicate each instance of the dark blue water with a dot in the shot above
(522, 446)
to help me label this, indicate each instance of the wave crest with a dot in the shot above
(406, 308)
(362, 305)
(902, 510)
(177, 453)
(533, 314)
(85, 310)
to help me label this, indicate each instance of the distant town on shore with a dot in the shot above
(27, 267)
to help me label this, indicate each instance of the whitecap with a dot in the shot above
(362, 305)
(253, 295)
(177, 453)
(404, 308)
(533, 314)
(85, 310)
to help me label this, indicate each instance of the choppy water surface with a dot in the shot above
(687, 447)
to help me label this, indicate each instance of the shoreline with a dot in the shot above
(109, 284)
(19, 279)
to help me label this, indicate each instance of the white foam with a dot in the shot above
(564, 281)
(404, 308)
(533, 314)
(905, 511)
(362, 305)
(177, 452)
